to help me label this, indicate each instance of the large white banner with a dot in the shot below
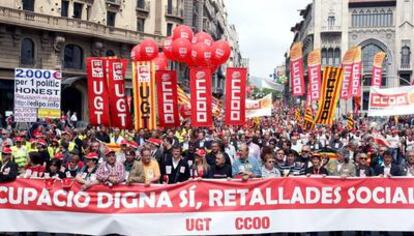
(391, 101)
(272, 85)
(259, 108)
(36, 88)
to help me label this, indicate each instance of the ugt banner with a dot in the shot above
(376, 79)
(166, 81)
(98, 100)
(143, 80)
(210, 207)
(296, 70)
(391, 101)
(120, 116)
(235, 113)
(330, 92)
(314, 74)
(201, 97)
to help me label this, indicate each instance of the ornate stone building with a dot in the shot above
(375, 25)
(60, 34)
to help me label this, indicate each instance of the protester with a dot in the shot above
(341, 166)
(388, 168)
(87, 173)
(8, 169)
(268, 169)
(363, 169)
(151, 167)
(246, 166)
(175, 169)
(110, 172)
(220, 169)
(53, 170)
(317, 167)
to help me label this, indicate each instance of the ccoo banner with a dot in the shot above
(347, 68)
(296, 70)
(210, 207)
(143, 79)
(166, 81)
(235, 113)
(391, 101)
(201, 97)
(376, 79)
(97, 91)
(330, 92)
(314, 74)
(355, 86)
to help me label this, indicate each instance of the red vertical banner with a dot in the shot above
(296, 70)
(98, 101)
(235, 112)
(201, 97)
(377, 69)
(314, 74)
(347, 70)
(166, 82)
(120, 116)
(355, 87)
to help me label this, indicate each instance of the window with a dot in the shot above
(27, 52)
(337, 56)
(389, 17)
(77, 10)
(330, 57)
(368, 53)
(405, 79)
(354, 18)
(169, 29)
(110, 18)
(28, 5)
(109, 53)
(324, 55)
(375, 18)
(88, 12)
(405, 57)
(365, 100)
(331, 21)
(73, 57)
(141, 4)
(64, 9)
(169, 6)
(140, 24)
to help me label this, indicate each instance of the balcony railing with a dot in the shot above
(143, 6)
(331, 29)
(114, 2)
(405, 67)
(68, 25)
(174, 12)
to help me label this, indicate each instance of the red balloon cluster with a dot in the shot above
(185, 47)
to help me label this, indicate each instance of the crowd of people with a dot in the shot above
(268, 147)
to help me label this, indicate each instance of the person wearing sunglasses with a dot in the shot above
(268, 169)
(8, 168)
(363, 169)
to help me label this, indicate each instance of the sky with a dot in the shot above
(264, 30)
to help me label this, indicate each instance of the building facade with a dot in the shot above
(334, 26)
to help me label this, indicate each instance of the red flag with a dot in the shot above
(235, 113)
(201, 97)
(296, 70)
(120, 116)
(355, 87)
(97, 91)
(314, 73)
(167, 98)
(377, 69)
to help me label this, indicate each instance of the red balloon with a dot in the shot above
(167, 48)
(136, 53)
(221, 52)
(149, 49)
(203, 37)
(185, 111)
(182, 31)
(161, 62)
(201, 54)
(181, 49)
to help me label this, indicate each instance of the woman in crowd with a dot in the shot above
(317, 167)
(53, 169)
(200, 168)
(87, 173)
(268, 169)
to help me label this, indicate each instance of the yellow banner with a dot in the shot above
(314, 58)
(330, 92)
(296, 51)
(48, 113)
(143, 79)
(379, 59)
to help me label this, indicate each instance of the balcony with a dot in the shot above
(71, 26)
(174, 13)
(331, 29)
(116, 3)
(405, 67)
(143, 8)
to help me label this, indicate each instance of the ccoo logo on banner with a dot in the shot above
(167, 98)
(235, 113)
(201, 97)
